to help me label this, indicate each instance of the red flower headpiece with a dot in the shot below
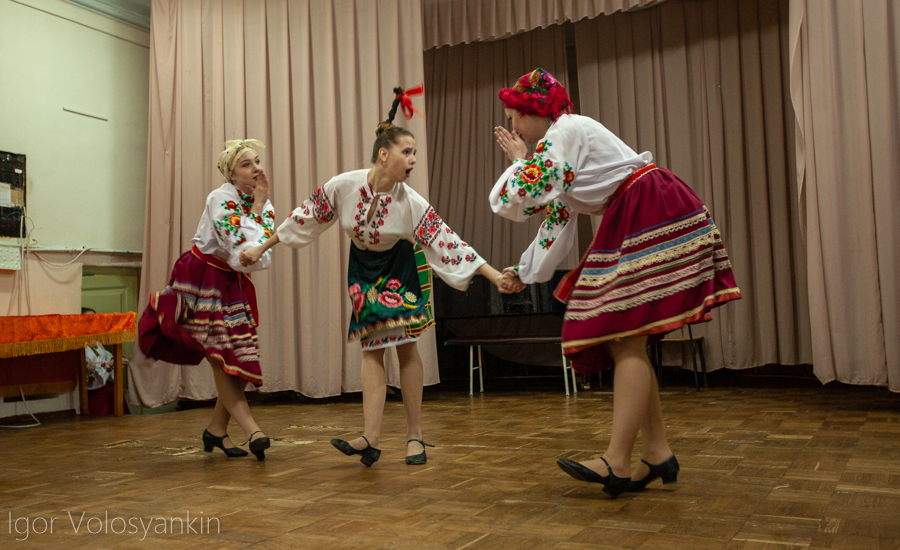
(537, 93)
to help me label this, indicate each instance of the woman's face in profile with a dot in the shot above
(246, 171)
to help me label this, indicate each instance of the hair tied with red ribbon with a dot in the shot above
(406, 103)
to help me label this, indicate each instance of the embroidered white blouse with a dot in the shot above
(400, 213)
(576, 167)
(228, 226)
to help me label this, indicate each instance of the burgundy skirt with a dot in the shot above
(656, 264)
(206, 309)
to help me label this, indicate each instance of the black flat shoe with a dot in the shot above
(612, 484)
(420, 458)
(258, 446)
(370, 454)
(668, 471)
(210, 441)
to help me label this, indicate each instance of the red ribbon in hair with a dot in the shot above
(406, 103)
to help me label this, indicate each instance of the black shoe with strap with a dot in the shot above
(258, 446)
(370, 454)
(420, 458)
(613, 485)
(668, 471)
(210, 441)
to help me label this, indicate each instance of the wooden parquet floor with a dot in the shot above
(762, 468)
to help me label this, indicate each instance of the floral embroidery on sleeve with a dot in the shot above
(568, 177)
(428, 228)
(557, 215)
(536, 177)
(323, 210)
(230, 224)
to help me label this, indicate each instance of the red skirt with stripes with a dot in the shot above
(206, 309)
(656, 264)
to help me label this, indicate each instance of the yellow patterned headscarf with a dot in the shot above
(233, 151)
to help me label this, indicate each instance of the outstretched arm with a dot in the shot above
(505, 283)
(250, 256)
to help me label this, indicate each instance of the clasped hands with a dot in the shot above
(509, 282)
(250, 256)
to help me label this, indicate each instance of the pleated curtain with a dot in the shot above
(311, 79)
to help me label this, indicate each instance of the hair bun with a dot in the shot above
(383, 127)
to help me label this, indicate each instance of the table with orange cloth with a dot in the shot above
(41, 353)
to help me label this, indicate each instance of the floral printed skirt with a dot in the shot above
(389, 292)
(206, 309)
(656, 264)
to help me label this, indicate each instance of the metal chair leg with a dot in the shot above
(694, 359)
(480, 372)
(702, 362)
(471, 367)
(565, 374)
(572, 372)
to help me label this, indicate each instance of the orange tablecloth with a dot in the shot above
(34, 334)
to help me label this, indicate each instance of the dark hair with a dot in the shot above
(386, 134)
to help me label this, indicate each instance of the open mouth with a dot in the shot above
(408, 171)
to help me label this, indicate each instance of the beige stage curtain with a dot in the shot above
(461, 85)
(311, 79)
(845, 62)
(452, 22)
(702, 84)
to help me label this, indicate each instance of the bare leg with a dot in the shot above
(232, 399)
(654, 446)
(218, 424)
(411, 379)
(374, 387)
(631, 398)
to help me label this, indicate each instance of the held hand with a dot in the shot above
(509, 282)
(511, 144)
(250, 255)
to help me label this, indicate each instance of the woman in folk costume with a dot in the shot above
(395, 234)
(208, 308)
(656, 263)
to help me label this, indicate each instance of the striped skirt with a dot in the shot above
(656, 264)
(206, 309)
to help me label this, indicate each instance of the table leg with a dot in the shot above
(119, 403)
(82, 384)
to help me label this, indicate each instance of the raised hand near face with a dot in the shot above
(511, 143)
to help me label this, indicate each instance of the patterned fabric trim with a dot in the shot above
(424, 271)
(388, 341)
(697, 217)
(389, 324)
(592, 308)
(668, 251)
(631, 240)
(576, 345)
(602, 284)
(237, 371)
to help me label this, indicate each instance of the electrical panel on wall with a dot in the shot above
(12, 209)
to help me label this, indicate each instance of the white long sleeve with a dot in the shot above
(228, 226)
(576, 167)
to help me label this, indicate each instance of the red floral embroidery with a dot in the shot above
(390, 299)
(323, 210)
(428, 228)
